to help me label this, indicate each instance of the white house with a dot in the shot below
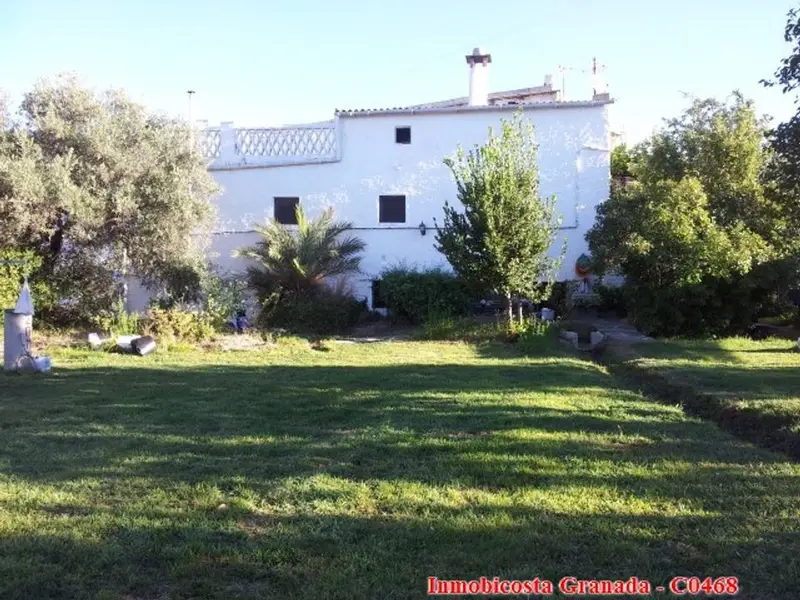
(382, 169)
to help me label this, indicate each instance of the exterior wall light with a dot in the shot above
(423, 229)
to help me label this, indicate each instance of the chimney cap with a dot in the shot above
(479, 56)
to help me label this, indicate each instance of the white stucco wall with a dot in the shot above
(573, 161)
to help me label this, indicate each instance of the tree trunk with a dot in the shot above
(519, 312)
(124, 287)
(509, 310)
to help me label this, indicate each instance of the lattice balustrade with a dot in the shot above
(208, 141)
(307, 142)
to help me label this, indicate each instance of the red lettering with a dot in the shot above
(530, 587)
(732, 585)
(568, 585)
(432, 585)
(677, 586)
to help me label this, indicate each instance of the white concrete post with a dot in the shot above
(17, 335)
(227, 142)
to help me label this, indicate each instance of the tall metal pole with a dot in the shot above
(189, 93)
(191, 141)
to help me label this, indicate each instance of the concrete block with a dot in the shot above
(569, 336)
(596, 337)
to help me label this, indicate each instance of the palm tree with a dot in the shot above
(298, 262)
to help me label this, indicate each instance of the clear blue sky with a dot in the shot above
(262, 62)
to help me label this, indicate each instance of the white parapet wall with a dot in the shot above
(227, 147)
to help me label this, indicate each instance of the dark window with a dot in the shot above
(285, 210)
(402, 135)
(377, 295)
(392, 209)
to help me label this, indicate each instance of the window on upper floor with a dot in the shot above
(392, 209)
(402, 135)
(285, 209)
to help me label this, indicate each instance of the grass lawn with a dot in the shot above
(755, 385)
(359, 471)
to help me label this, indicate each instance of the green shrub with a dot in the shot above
(189, 289)
(613, 299)
(117, 321)
(560, 299)
(443, 328)
(711, 307)
(85, 287)
(534, 336)
(414, 296)
(323, 312)
(175, 324)
(12, 276)
(182, 285)
(222, 296)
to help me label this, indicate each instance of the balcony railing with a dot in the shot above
(228, 147)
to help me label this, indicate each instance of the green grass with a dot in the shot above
(753, 387)
(360, 470)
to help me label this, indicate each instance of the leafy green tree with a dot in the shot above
(784, 168)
(696, 223)
(98, 187)
(500, 241)
(621, 162)
(298, 262)
(722, 144)
(662, 234)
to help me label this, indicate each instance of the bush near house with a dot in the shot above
(168, 325)
(414, 296)
(612, 300)
(324, 312)
(293, 271)
(559, 298)
(177, 325)
(205, 289)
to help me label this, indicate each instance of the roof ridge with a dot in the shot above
(467, 108)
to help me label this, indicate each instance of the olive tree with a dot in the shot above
(101, 188)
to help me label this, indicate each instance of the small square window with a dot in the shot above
(402, 135)
(392, 209)
(285, 210)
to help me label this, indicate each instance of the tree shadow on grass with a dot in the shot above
(239, 553)
(487, 465)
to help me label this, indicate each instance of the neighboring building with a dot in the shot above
(382, 170)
